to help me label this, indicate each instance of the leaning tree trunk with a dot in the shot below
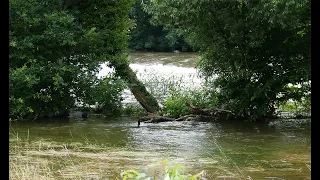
(138, 89)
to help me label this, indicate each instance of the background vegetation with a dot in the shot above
(255, 47)
(55, 53)
(260, 51)
(147, 37)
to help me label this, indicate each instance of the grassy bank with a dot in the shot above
(43, 159)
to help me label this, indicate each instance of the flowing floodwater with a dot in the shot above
(158, 70)
(104, 147)
(225, 150)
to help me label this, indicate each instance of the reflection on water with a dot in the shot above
(257, 150)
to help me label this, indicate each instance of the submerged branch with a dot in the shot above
(198, 114)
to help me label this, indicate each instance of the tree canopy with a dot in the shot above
(56, 48)
(255, 47)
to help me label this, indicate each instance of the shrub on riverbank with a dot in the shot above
(295, 108)
(173, 94)
(56, 48)
(175, 103)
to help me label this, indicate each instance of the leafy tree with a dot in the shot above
(51, 63)
(255, 47)
(109, 20)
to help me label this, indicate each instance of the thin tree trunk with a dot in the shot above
(146, 100)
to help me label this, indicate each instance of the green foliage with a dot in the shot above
(55, 54)
(106, 96)
(145, 36)
(302, 107)
(41, 70)
(173, 94)
(163, 170)
(133, 111)
(175, 103)
(133, 174)
(111, 20)
(255, 47)
(292, 106)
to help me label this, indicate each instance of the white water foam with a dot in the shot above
(158, 74)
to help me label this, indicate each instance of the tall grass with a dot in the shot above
(172, 92)
(31, 159)
(160, 86)
(42, 159)
(22, 166)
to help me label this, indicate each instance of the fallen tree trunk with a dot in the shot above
(191, 117)
(159, 119)
(186, 117)
(138, 89)
(198, 114)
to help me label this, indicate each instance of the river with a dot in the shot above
(101, 148)
(158, 70)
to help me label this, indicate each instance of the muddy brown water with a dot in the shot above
(274, 150)
(280, 149)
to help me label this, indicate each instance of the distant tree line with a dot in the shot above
(145, 36)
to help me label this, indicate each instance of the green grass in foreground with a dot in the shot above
(164, 171)
(42, 159)
(31, 158)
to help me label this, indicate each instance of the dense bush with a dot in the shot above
(255, 47)
(175, 103)
(53, 59)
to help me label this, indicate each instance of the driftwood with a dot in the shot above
(186, 117)
(198, 114)
(153, 118)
